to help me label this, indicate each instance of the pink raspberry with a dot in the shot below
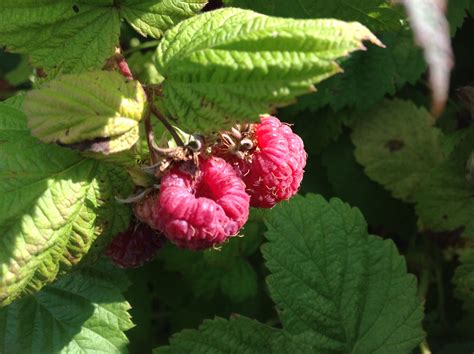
(273, 169)
(134, 247)
(200, 211)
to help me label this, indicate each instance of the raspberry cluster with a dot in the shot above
(204, 199)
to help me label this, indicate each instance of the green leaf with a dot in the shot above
(378, 15)
(21, 74)
(143, 68)
(96, 111)
(239, 335)
(368, 77)
(317, 129)
(56, 206)
(351, 184)
(214, 270)
(446, 200)
(226, 270)
(74, 36)
(153, 18)
(15, 101)
(230, 65)
(328, 276)
(61, 33)
(338, 289)
(240, 282)
(398, 146)
(11, 118)
(83, 312)
(457, 11)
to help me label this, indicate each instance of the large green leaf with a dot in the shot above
(97, 111)
(83, 312)
(338, 289)
(368, 77)
(330, 277)
(317, 130)
(239, 335)
(446, 200)
(376, 14)
(398, 146)
(56, 206)
(230, 65)
(153, 17)
(225, 270)
(75, 36)
(351, 184)
(11, 118)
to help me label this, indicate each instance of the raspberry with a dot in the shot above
(273, 168)
(134, 247)
(199, 211)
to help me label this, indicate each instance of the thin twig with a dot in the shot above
(150, 138)
(167, 125)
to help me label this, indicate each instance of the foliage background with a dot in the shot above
(343, 126)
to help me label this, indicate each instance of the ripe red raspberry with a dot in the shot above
(273, 168)
(134, 247)
(199, 211)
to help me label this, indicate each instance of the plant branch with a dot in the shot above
(150, 138)
(167, 125)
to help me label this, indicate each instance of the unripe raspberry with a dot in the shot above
(199, 211)
(273, 168)
(134, 247)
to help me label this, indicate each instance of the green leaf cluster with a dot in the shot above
(56, 206)
(82, 312)
(244, 64)
(73, 36)
(400, 148)
(79, 142)
(226, 270)
(337, 289)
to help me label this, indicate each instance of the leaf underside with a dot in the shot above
(56, 206)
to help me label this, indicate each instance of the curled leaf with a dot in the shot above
(95, 111)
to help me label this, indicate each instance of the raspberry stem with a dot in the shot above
(150, 139)
(167, 125)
